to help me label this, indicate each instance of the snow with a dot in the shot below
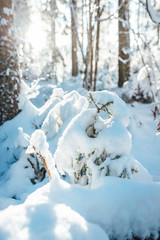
(116, 208)
(3, 22)
(55, 221)
(145, 145)
(22, 139)
(118, 109)
(141, 87)
(8, 11)
(85, 155)
(104, 165)
(63, 112)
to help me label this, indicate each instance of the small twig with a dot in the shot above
(104, 106)
(94, 102)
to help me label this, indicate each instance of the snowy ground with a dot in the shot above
(110, 207)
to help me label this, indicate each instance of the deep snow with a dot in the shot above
(110, 206)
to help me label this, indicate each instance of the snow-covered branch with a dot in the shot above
(154, 15)
(143, 2)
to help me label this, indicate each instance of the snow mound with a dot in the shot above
(118, 208)
(39, 218)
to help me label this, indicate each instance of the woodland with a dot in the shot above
(79, 119)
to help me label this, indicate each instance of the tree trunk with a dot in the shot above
(97, 45)
(9, 71)
(74, 37)
(124, 42)
(90, 37)
(53, 7)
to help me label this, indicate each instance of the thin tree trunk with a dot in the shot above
(158, 28)
(9, 71)
(90, 47)
(87, 81)
(138, 19)
(97, 45)
(82, 12)
(74, 38)
(124, 43)
(53, 7)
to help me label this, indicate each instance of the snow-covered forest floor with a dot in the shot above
(80, 201)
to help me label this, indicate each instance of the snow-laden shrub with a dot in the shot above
(63, 112)
(27, 170)
(55, 98)
(38, 146)
(97, 143)
(141, 88)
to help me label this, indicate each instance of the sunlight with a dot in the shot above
(36, 36)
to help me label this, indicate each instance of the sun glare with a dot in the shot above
(36, 36)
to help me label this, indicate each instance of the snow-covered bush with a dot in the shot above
(55, 98)
(97, 143)
(140, 88)
(27, 170)
(63, 112)
(39, 147)
(87, 137)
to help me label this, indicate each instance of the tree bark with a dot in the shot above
(9, 70)
(124, 42)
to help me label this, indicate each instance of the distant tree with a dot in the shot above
(124, 42)
(9, 71)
